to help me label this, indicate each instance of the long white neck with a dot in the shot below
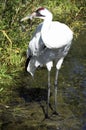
(46, 26)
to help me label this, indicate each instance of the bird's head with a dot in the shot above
(41, 13)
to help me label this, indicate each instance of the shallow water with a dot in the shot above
(26, 105)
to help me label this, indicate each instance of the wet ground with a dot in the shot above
(24, 104)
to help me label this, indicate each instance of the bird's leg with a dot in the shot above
(49, 66)
(58, 66)
(48, 96)
(55, 87)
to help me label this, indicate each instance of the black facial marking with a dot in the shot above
(38, 12)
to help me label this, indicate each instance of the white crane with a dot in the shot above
(50, 42)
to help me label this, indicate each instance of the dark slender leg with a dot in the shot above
(48, 97)
(55, 87)
(58, 66)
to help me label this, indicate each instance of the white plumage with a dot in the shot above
(51, 42)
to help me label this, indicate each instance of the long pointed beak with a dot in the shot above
(33, 15)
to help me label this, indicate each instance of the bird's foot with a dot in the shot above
(55, 113)
(47, 116)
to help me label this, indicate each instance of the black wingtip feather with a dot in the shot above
(27, 62)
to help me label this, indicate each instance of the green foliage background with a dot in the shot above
(14, 36)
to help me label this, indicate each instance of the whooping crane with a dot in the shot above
(51, 42)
